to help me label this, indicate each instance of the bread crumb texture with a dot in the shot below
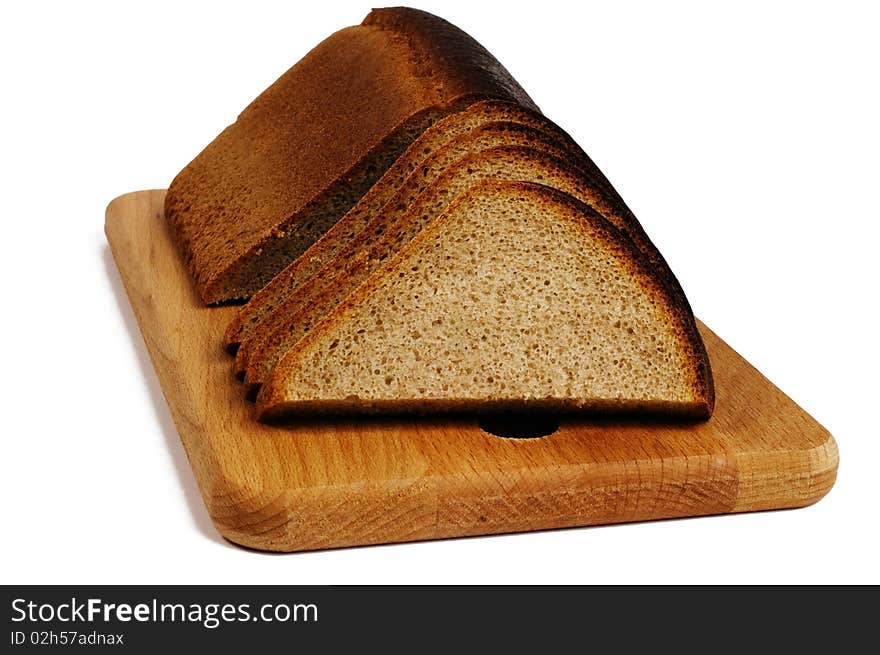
(518, 295)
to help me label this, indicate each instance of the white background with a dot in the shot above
(744, 136)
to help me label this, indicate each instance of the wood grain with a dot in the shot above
(331, 483)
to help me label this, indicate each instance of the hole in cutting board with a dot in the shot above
(519, 426)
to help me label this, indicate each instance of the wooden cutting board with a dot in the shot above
(345, 482)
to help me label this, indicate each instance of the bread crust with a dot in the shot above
(273, 403)
(286, 410)
(238, 211)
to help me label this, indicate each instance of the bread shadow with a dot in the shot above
(175, 447)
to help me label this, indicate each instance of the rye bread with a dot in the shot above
(518, 297)
(398, 224)
(303, 152)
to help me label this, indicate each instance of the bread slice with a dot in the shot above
(518, 297)
(398, 224)
(449, 131)
(302, 153)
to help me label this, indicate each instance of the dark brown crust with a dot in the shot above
(447, 53)
(271, 401)
(286, 410)
(347, 100)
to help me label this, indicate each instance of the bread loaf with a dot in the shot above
(398, 169)
(302, 153)
(518, 297)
